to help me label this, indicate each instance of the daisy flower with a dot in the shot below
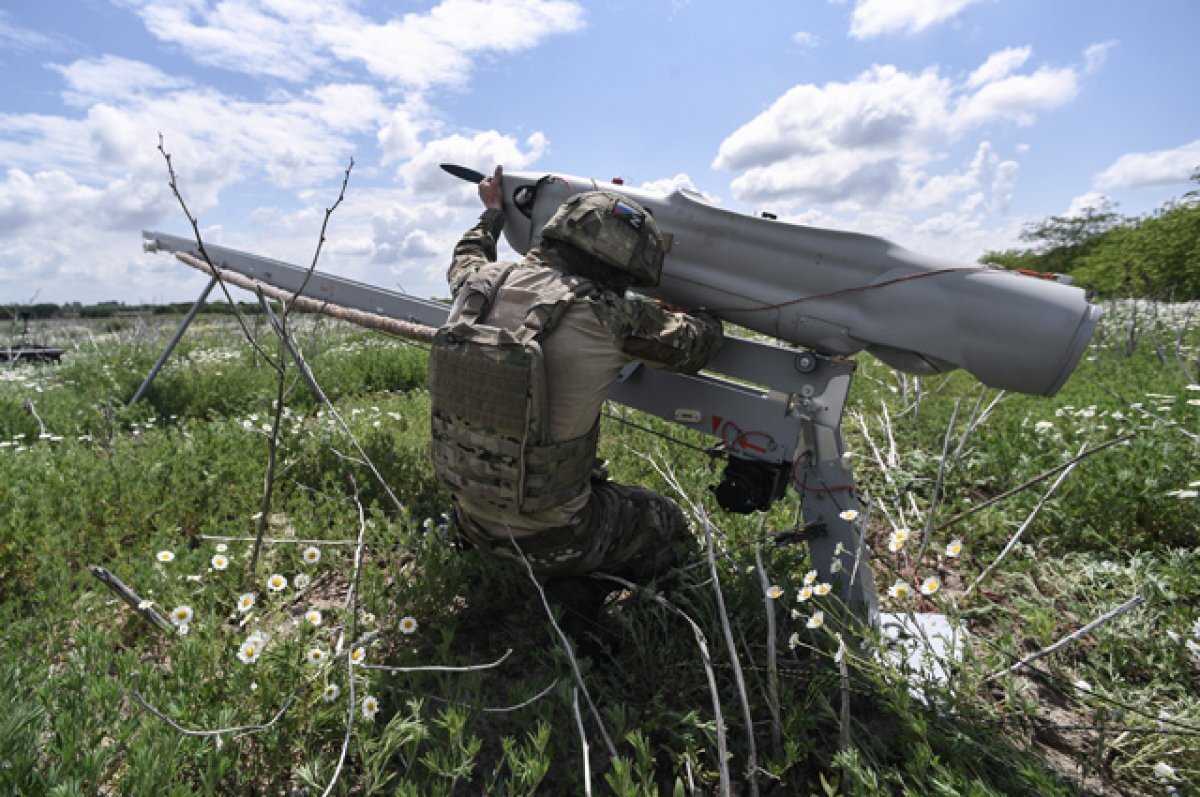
(181, 615)
(774, 591)
(358, 656)
(836, 567)
(849, 515)
(805, 594)
(366, 618)
(312, 555)
(839, 549)
(301, 581)
(220, 562)
(901, 534)
(895, 544)
(810, 577)
(954, 548)
(250, 650)
(316, 655)
(1164, 771)
(794, 641)
(900, 589)
(370, 707)
(313, 616)
(822, 589)
(246, 602)
(276, 583)
(408, 624)
(930, 585)
(166, 556)
(222, 547)
(330, 692)
(145, 604)
(816, 621)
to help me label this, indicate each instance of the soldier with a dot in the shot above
(518, 376)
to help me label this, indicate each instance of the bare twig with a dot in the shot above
(1128, 605)
(612, 748)
(135, 602)
(772, 653)
(587, 765)
(1036, 479)
(1013, 541)
(937, 485)
(440, 667)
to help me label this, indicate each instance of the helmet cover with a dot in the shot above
(613, 229)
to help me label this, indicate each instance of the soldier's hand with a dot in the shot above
(491, 190)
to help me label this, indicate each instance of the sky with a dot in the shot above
(943, 125)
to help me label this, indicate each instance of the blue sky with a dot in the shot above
(944, 125)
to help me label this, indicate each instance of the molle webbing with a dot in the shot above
(490, 424)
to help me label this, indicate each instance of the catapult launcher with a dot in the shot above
(773, 406)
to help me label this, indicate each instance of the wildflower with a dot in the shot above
(181, 615)
(222, 547)
(839, 549)
(773, 592)
(794, 641)
(796, 614)
(316, 655)
(145, 604)
(954, 548)
(849, 515)
(358, 656)
(901, 534)
(220, 562)
(330, 692)
(370, 707)
(312, 555)
(250, 650)
(1042, 427)
(810, 577)
(804, 594)
(276, 583)
(408, 624)
(900, 589)
(166, 556)
(366, 618)
(894, 544)
(930, 585)
(836, 566)
(816, 621)
(822, 589)
(313, 616)
(246, 602)
(1164, 771)
(301, 581)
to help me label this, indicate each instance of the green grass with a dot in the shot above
(87, 480)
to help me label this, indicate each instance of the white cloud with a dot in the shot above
(1095, 55)
(805, 39)
(482, 151)
(999, 66)
(295, 40)
(878, 138)
(878, 17)
(1141, 169)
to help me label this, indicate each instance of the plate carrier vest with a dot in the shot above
(490, 416)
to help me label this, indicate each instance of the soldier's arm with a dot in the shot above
(675, 341)
(476, 248)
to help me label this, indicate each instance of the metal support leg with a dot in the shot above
(162, 358)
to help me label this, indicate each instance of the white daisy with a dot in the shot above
(836, 566)
(220, 562)
(930, 585)
(301, 581)
(166, 556)
(408, 624)
(794, 641)
(330, 692)
(816, 621)
(222, 547)
(773, 592)
(900, 589)
(822, 589)
(810, 577)
(954, 548)
(276, 582)
(250, 650)
(370, 707)
(181, 615)
(312, 555)
(849, 515)
(804, 594)
(313, 616)
(358, 656)
(246, 602)
(316, 655)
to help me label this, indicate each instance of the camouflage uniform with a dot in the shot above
(572, 521)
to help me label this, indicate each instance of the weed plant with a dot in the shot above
(441, 675)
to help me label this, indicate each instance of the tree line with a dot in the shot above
(1113, 256)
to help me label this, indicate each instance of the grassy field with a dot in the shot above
(363, 654)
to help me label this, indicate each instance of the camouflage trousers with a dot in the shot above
(624, 531)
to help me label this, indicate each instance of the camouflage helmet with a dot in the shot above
(613, 229)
